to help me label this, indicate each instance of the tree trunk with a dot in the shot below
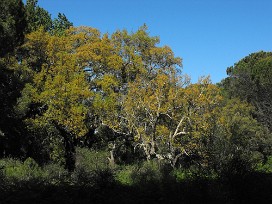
(111, 158)
(70, 152)
(69, 147)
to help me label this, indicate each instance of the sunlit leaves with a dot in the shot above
(170, 118)
(60, 84)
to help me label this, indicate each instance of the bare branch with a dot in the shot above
(176, 131)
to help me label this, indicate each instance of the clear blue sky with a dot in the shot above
(209, 35)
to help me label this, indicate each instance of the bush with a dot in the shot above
(91, 160)
(55, 174)
(16, 171)
(151, 172)
(123, 174)
(147, 173)
(182, 175)
(266, 167)
(92, 168)
(2, 178)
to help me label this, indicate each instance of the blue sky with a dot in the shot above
(209, 35)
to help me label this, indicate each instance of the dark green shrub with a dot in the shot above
(230, 159)
(148, 172)
(91, 159)
(17, 171)
(182, 174)
(123, 174)
(151, 172)
(55, 174)
(2, 179)
(92, 168)
(265, 167)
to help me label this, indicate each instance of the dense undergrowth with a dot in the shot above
(93, 181)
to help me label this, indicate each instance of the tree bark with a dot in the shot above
(69, 147)
(111, 158)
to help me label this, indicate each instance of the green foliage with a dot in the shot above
(12, 129)
(55, 174)
(123, 174)
(236, 146)
(250, 143)
(253, 71)
(60, 24)
(37, 17)
(147, 173)
(12, 76)
(163, 185)
(15, 170)
(91, 159)
(265, 166)
(144, 174)
(57, 151)
(12, 25)
(92, 168)
(182, 175)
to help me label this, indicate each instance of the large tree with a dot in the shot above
(12, 29)
(240, 141)
(37, 16)
(250, 79)
(12, 25)
(170, 120)
(57, 94)
(122, 60)
(60, 24)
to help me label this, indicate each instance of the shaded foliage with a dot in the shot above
(160, 188)
(12, 25)
(253, 71)
(37, 16)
